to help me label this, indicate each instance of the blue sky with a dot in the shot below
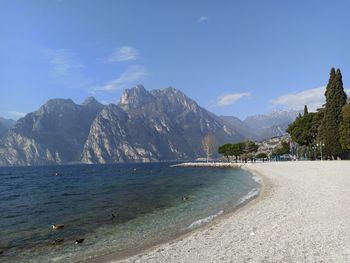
(233, 57)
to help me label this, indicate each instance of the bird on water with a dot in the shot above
(57, 226)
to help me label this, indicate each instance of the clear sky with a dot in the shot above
(233, 57)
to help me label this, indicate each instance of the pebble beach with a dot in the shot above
(301, 215)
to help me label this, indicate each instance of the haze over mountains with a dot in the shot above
(5, 125)
(264, 126)
(144, 126)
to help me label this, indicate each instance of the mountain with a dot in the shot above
(152, 126)
(271, 125)
(5, 125)
(240, 126)
(264, 126)
(145, 126)
(54, 134)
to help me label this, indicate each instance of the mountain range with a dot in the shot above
(145, 126)
(263, 126)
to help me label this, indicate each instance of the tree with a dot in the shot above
(335, 100)
(282, 149)
(344, 131)
(305, 110)
(225, 150)
(261, 156)
(304, 130)
(208, 145)
(229, 150)
(245, 148)
(236, 150)
(248, 148)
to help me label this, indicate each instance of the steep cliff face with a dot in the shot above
(54, 134)
(153, 125)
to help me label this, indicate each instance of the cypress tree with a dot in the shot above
(335, 100)
(345, 128)
(305, 110)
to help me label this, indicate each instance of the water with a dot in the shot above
(147, 199)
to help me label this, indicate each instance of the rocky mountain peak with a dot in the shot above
(135, 97)
(90, 101)
(57, 105)
(176, 98)
(171, 91)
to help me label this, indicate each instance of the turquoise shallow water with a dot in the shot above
(147, 199)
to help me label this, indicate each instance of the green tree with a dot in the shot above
(283, 148)
(261, 156)
(344, 131)
(236, 150)
(229, 150)
(248, 148)
(225, 150)
(304, 129)
(335, 100)
(306, 111)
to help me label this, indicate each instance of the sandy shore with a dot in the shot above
(303, 215)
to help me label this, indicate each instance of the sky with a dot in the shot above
(235, 58)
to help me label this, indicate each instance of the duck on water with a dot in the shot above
(79, 241)
(57, 226)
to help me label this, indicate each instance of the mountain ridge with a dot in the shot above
(173, 124)
(144, 126)
(54, 134)
(263, 126)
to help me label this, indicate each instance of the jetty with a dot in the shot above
(210, 164)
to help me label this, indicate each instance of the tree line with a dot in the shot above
(247, 150)
(243, 150)
(329, 126)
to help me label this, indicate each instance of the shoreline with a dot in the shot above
(300, 215)
(263, 192)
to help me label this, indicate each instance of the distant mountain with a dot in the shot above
(5, 125)
(265, 126)
(145, 126)
(151, 126)
(271, 125)
(54, 134)
(240, 126)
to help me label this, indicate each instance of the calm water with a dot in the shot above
(146, 197)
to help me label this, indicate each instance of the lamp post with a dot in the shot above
(320, 145)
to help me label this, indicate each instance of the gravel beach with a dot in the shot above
(302, 215)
